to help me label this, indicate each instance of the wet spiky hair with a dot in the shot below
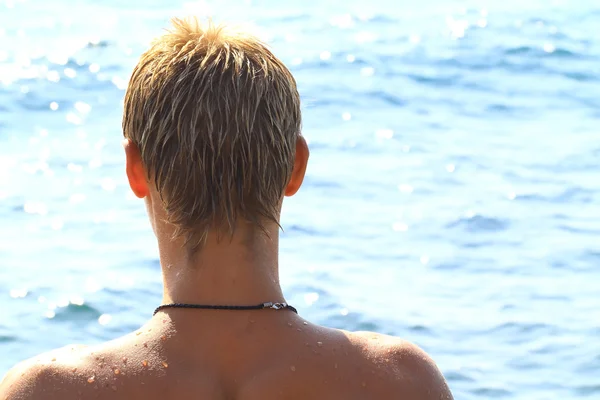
(216, 117)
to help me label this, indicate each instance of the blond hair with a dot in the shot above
(216, 117)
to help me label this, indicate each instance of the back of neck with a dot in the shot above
(240, 271)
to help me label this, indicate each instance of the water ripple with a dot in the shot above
(455, 376)
(480, 223)
(588, 390)
(505, 97)
(8, 338)
(77, 313)
(492, 393)
(535, 52)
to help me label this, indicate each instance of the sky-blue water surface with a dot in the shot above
(452, 195)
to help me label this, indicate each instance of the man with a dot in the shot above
(212, 142)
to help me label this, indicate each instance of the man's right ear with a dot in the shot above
(300, 162)
(136, 173)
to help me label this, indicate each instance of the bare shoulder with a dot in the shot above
(43, 376)
(407, 369)
(110, 370)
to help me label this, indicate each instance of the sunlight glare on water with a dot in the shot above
(451, 196)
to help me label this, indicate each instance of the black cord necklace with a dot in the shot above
(262, 306)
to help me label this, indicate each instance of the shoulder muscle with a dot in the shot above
(427, 382)
(412, 373)
(39, 377)
(23, 381)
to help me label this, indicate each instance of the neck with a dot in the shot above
(240, 271)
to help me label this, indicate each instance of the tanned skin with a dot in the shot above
(214, 354)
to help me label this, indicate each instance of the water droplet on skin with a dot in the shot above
(91, 379)
(305, 323)
(117, 371)
(290, 324)
(145, 363)
(319, 344)
(165, 364)
(293, 368)
(74, 369)
(124, 360)
(163, 338)
(335, 366)
(299, 330)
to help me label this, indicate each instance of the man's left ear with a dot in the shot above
(136, 173)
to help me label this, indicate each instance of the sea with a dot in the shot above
(452, 196)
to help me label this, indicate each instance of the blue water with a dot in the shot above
(452, 196)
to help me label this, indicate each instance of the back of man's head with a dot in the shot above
(215, 116)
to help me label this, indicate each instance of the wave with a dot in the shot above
(455, 376)
(539, 52)
(488, 392)
(587, 390)
(8, 338)
(388, 98)
(76, 312)
(571, 195)
(479, 223)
